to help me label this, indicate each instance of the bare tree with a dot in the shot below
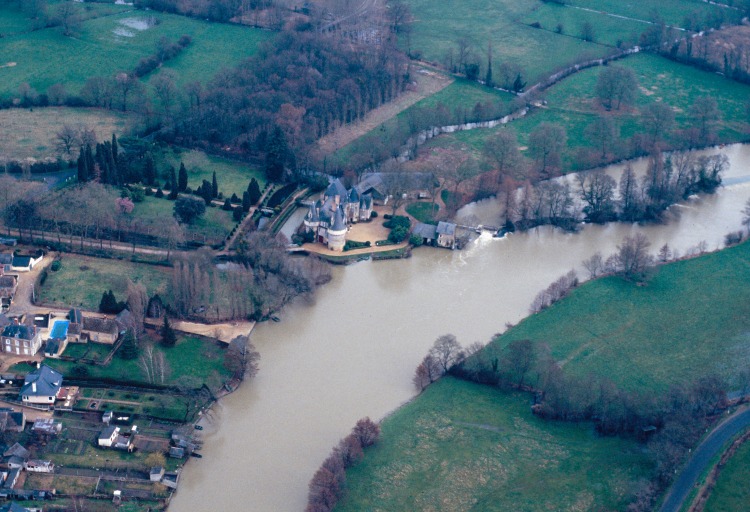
(546, 143)
(616, 86)
(594, 265)
(137, 304)
(603, 133)
(241, 358)
(501, 152)
(746, 215)
(657, 119)
(153, 365)
(447, 351)
(598, 192)
(632, 257)
(367, 432)
(67, 138)
(705, 113)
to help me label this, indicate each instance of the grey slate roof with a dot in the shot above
(48, 382)
(53, 346)
(21, 261)
(446, 228)
(99, 325)
(312, 215)
(7, 282)
(13, 507)
(107, 433)
(6, 258)
(75, 316)
(425, 230)
(17, 451)
(353, 195)
(336, 189)
(338, 221)
(20, 331)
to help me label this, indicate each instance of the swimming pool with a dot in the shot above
(59, 329)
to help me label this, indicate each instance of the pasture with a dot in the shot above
(30, 133)
(691, 320)
(572, 103)
(462, 446)
(106, 45)
(731, 491)
(232, 176)
(81, 281)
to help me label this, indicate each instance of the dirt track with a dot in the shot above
(428, 82)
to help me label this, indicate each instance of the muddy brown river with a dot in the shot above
(352, 352)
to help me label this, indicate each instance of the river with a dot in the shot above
(352, 351)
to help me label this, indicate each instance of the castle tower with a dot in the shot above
(337, 232)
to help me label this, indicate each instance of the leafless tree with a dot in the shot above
(501, 152)
(241, 358)
(657, 119)
(137, 304)
(616, 86)
(746, 215)
(594, 265)
(153, 365)
(367, 432)
(632, 257)
(447, 351)
(519, 358)
(546, 143)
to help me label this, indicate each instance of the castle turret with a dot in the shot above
(337, 232)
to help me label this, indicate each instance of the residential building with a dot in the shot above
(41, 386)
(107, 436)
(156, 474)
(446, 235)
(40, 466)
(6, 262)
(427, 232)
(99, 330)
(26, 263)
(20, 339)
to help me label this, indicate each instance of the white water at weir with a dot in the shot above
(352, 352)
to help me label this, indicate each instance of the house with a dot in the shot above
(41, 386)
(170, 480)
(12, 421)
(26, 263)
(99, 330)
(156, 474)
(40, 466)
(75, 317)
(15, 457)
(12, 478)
(47, 426)
(20, 339)
(176, 452)
(108, 436)
(6, 262)
(18, 451)
(446, 235)
(13, 507)
(107, 417)
(427, 232)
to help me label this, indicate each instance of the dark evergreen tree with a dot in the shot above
(214, 187)
(129, 348)
(237, 213)
(159, 193)
(109, 303)
(182, 178)
(172, 185)
(254, 190)
(168, 336)
(246, 201)
(115, 148)
(227, 205)
(235, 199)
(84, 173)
(149, 170)
(277, 155)
(206, 192)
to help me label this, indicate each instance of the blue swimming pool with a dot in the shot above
(59, 329)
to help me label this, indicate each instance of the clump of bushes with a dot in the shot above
(56, 265)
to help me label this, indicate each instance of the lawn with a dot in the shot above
(211, 228)
(731, 491)
(462, 446)
(438, 26)
(28, 133)
(232, 176)
(107, 45)
(691, 320)
(572, 104)
(423, 211)
(82, 280)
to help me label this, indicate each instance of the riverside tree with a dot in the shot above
(616, 87)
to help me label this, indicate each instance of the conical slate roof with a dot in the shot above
(338, 221)
(312, 215)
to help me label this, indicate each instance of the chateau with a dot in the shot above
(330, 217)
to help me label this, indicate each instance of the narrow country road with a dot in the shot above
(701, 458)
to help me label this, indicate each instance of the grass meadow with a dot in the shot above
(572, 104)
(232, 176)
(26, 133)
(82, 280)
(106, 45)
(462, 446)
(731, 491)
(692, 319)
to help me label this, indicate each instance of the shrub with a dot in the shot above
(373, 214)
(159, 193)
(42, 277)
(416, 240)
(397, 221)
(56, 265)
(398, 234)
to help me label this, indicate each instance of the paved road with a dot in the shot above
(702, 457)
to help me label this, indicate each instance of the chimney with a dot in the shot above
(33, 387)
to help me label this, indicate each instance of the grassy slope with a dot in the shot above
(692, 319)
(572, 104)
(731, 492)
(31, 133)
(71, 286)
(461, 446)
(232, 177)
(439, 25)
(46, 57)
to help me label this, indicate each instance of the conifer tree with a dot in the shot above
(253, 189)
(214, 187)
(129, 348)
(168, 336)
(149, 170)
(115, 148)
(246, 201)
(182, 178)
(172, 185)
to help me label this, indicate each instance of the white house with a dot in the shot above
(107, 436)
(41, 386)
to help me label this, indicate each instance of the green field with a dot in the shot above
(107, 45)
(731, 492)
(82, 280)
(572, 104)
(462, 446)
(30, 133)
(439, 25)
(232, 176)
(692, 319)
(211, 228)
(423, 211)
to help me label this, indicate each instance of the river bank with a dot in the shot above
(352, 350)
